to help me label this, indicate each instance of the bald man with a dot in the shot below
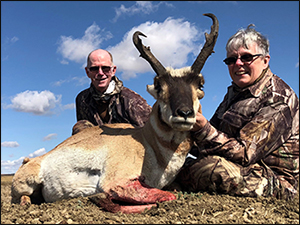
(107, 101)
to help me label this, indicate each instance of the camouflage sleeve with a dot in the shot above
(79, 114)
(267, 130)
(138, 110)
(81, 109)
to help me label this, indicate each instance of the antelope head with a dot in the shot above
(178, 91)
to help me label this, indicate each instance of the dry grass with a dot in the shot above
(195, 208)
(6, 179)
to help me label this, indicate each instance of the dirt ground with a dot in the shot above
(200, 208)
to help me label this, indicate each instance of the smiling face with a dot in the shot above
(99, 78)
(244, 74)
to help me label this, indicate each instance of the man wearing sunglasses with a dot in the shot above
(107, 100)
(250, 146)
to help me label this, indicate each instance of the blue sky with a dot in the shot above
(44, 45)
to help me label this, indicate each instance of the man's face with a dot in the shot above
(100, 69)
(245, 73)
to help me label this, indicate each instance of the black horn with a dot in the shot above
(208, 46)
(146, 54)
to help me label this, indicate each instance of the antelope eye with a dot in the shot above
(200, 86)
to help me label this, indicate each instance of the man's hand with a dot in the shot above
(200, 122)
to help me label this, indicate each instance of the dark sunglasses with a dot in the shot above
(105, 69)
(244, 58)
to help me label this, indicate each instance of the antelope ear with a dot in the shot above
(152, 91)
(200, 94)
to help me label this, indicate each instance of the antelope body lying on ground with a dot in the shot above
(118, 162)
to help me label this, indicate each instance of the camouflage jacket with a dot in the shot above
(123, 106)
(257, 124)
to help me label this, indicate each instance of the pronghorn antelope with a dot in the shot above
(118, 163)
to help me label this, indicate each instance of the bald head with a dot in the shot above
(99, 52)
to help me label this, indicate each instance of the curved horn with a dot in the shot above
(208, 46)
(146, 54)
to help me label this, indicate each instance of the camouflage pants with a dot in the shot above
(216, 174)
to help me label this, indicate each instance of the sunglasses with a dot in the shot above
(105, 69)
(244, 58)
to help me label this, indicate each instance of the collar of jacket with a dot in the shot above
(104, 97)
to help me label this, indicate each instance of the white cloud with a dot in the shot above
(215, 98)
(171, 41)
(83, 80)
(7, 43)
(77, 49)
(50, 137)
(14, 39)
(38, 152)
(38, 103)
(8, 166)
(65, 62)
(10, 144)
(59, 83)
(143, 7)
(69, 106)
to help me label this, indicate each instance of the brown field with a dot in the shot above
(6, 179)
(195, 208)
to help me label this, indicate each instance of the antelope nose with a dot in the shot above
(185, 113)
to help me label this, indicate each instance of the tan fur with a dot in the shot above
(106, 157)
